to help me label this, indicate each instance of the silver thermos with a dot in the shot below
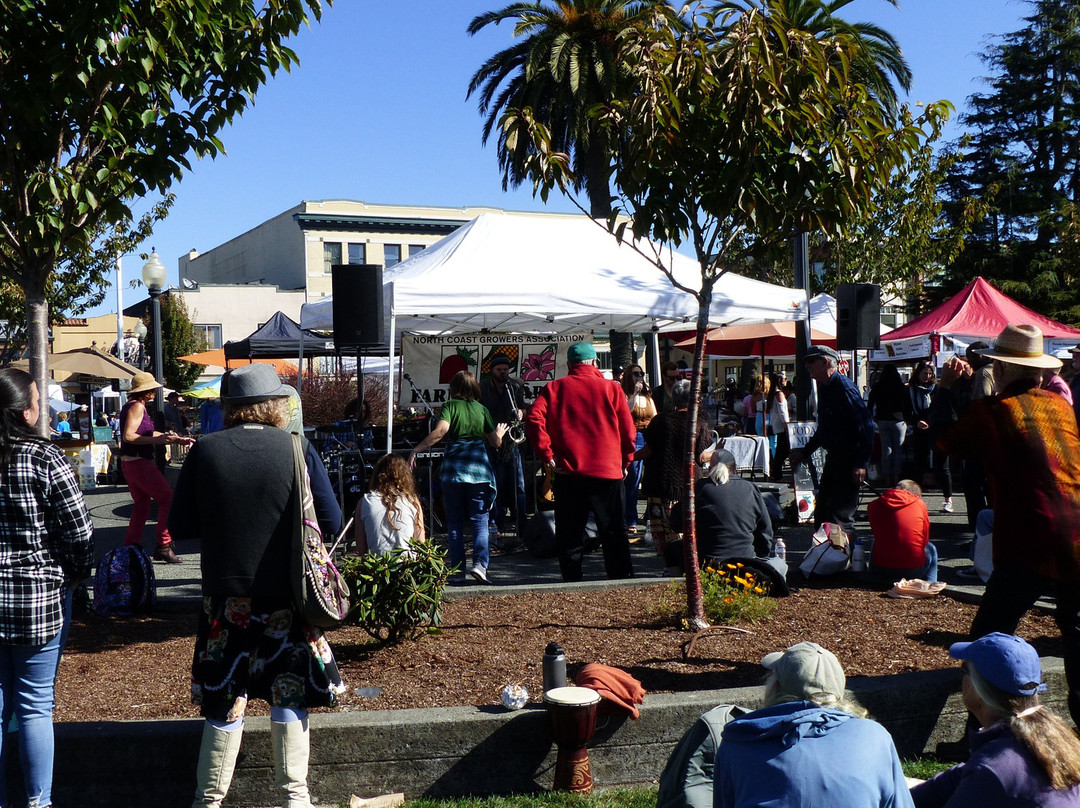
(554, 667)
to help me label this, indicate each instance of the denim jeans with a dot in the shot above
(470, 501)
(927, 572)
(27, 677)
(631, 482)
(892, 448)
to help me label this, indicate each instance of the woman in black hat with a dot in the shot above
(236, 494)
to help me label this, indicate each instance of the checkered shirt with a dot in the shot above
(46, 539)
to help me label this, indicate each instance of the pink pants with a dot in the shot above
(146, 482)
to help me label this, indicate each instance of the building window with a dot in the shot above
(391, 255)
(357, 254)
(331, 255)
(415, 248)
(210, 333)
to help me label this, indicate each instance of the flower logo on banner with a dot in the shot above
(539, 367)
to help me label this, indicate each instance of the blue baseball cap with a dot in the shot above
(1005, 661)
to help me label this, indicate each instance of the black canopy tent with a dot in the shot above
(280, 338)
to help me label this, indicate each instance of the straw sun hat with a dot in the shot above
(142, 382)
(1021, 345)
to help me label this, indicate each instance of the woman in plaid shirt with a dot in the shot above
(45, 547)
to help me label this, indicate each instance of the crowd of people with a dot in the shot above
(1002, 415)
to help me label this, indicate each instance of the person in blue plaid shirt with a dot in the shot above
(46, 546)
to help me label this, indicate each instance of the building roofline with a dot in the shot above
(378, 224)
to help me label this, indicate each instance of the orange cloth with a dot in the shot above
(615, 686)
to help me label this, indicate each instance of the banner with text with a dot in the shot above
(432, 361)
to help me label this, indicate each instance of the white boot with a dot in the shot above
(217, 759)
(290, 745)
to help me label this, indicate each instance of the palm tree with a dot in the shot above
(565, 64)
(880, 61)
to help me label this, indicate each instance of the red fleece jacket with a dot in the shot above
(584, 422)
(901, 526)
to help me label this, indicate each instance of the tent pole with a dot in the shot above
(390, 385)
(300, 365)
(652, 355)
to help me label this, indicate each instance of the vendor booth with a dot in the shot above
(977, 312)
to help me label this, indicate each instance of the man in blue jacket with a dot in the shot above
(846, 431)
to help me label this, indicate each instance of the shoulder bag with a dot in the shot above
(320, 594)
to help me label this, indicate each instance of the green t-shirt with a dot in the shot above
(468, 420)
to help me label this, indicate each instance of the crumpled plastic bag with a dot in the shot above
(915, 588)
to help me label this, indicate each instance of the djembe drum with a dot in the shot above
(572, 719)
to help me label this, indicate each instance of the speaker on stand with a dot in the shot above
(858, 320)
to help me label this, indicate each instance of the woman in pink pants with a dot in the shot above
(145, 481)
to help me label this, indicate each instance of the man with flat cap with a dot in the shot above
(1029, 444)
(581, 426)
(846, 431)
(504, 396)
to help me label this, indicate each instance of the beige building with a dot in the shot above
(296, 249)
(229, 312)
(86, 332)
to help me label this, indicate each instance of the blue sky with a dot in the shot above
(377, 112)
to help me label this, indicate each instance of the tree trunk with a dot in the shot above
(622, 350)
(37, 341)
(695, 608)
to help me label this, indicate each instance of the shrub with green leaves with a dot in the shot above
(733, 593)
(398, 595)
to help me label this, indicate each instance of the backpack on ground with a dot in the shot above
(124, 582)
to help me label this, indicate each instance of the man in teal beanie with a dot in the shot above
(580, 425)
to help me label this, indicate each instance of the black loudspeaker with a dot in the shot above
(358, 305)
(858, 316)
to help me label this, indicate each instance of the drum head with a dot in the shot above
(572, 696)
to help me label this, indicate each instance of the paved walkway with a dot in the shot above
(110, 508)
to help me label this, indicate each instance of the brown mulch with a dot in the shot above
(138, 668)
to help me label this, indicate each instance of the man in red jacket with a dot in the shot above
(581, 426)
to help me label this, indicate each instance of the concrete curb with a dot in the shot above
(455, 751)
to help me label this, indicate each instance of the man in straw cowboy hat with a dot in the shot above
(1028, 441)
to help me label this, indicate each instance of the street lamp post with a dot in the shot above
(140, 334)
(155, 275)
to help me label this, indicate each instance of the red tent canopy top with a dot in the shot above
(980, 310)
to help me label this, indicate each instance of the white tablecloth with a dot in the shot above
(751, 452)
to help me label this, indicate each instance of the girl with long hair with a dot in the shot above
(46, 547)
(389, 516)
(776, 410)
(643, 411)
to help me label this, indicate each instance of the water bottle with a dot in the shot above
(858, 556)
(780, 549)
(554, 667)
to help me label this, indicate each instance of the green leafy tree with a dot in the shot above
(745, 130)
(178, 338)
(103, 103)
(567, 62)
(1022, 156)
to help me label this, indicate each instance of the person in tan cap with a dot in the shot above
(809, 745)
(1028, 441)
(145, 481)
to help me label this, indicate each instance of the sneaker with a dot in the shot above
(946, 506)
(970, 573)
(480, 574)
(166, 554)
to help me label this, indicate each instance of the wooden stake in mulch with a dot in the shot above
(688, 646)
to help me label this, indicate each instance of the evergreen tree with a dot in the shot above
(1022, 156)
(178, 338)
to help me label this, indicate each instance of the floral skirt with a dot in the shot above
(258, 648)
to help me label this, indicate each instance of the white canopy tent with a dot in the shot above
(513, 273)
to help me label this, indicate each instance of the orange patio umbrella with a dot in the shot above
(217, 358)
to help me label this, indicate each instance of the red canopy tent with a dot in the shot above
(980, 310)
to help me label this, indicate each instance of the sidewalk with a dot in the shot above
(110, 508)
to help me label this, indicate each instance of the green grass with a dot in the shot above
(924, 768)
(610, 798)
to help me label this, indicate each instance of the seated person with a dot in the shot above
(389, 515)
(901, 527)
(63, 428)
(687, 780)
(1024, 754)
(809, 745)
(733, 521)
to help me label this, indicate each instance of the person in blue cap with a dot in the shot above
(1024, 755)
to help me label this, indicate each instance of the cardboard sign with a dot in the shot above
(432, 361)
(799, 434)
